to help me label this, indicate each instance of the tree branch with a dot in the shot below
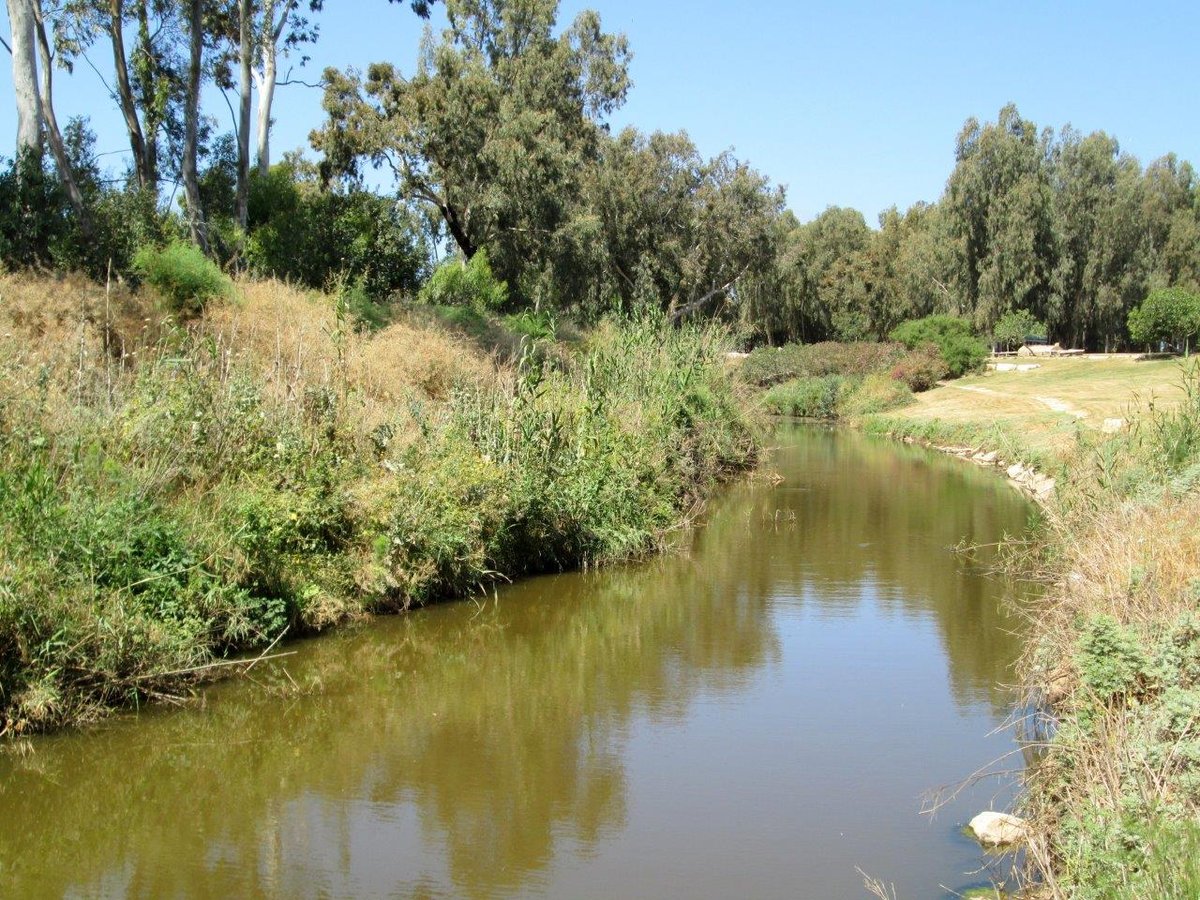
(697, 305)
(287, 79)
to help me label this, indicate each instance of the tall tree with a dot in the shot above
(148, 81)
(245, 21)
(493, 130)
(23, 46)
(1000, 206)
(191, 115)
(54, 135)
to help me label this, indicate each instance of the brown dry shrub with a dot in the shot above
(293, 340)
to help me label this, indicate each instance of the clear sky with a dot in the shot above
(849, 104)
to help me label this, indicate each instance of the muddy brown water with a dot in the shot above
(755, 716)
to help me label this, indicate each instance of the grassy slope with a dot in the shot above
(173, 495)
(1116, 652)
(1041, 405)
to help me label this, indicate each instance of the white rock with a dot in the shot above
(994, 828)
(1016, 470)
(1112, 426)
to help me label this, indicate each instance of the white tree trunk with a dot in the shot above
(245, 52)
(266, 94)
(191, 119)
(25, 82)
(53, 133)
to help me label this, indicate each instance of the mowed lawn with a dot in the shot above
(1049, 403)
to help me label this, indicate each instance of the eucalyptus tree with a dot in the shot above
(23, 47)
(1097, 253)
(494, 128)
(270, 29)
(999, 201)
(148, 81)
(191, 118)
(54, 134)
(677, 230)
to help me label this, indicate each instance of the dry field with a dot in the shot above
(1045, 405)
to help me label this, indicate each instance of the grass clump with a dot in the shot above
(811, 398)
(183, 276)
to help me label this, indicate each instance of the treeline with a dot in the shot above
(499, 141)
(1062, 226)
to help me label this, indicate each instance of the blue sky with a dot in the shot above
(850, 104)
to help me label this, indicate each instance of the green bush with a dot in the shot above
(875, 394)
(299, 232)
(809, 398)
(469, 284)
(1167, 314)
(1111, 661)
(771, 365)
(1015, 326)
(183, 276)
(960, 348)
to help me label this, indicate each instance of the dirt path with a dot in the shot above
(1053, 404)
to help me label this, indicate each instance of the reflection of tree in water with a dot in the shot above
(863, 517)
(502, 726)
(499, 729)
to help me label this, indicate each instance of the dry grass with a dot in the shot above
(293, 337)
(1043, 403)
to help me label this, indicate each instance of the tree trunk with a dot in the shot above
(137, 141)
(57, 146)
(245, 51)
(191, 127)
(266, 79)
(24, 71)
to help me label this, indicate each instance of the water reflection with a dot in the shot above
(517, 744)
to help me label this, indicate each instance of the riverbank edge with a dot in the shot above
(1098, 539)
(1023, 476)
(571, 459)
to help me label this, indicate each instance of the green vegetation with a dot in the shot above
(178, 495)
(1167, 315)
(956, 343)
(1014, 327)
(183, 276)
(466, 283)
(500, 143)
(270, 469)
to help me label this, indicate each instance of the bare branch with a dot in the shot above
(287, 79)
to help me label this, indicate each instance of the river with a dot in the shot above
(755, 715)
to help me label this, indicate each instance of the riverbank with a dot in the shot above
(177, 494)
(1114, 656)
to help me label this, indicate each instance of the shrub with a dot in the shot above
(771, 365)
(809, 398)
(469, 284)
(875, 394)
(184, 277)
(920, 369)
(300, 232)
(960, 348)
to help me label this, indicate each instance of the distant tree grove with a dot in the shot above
(499, 141)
